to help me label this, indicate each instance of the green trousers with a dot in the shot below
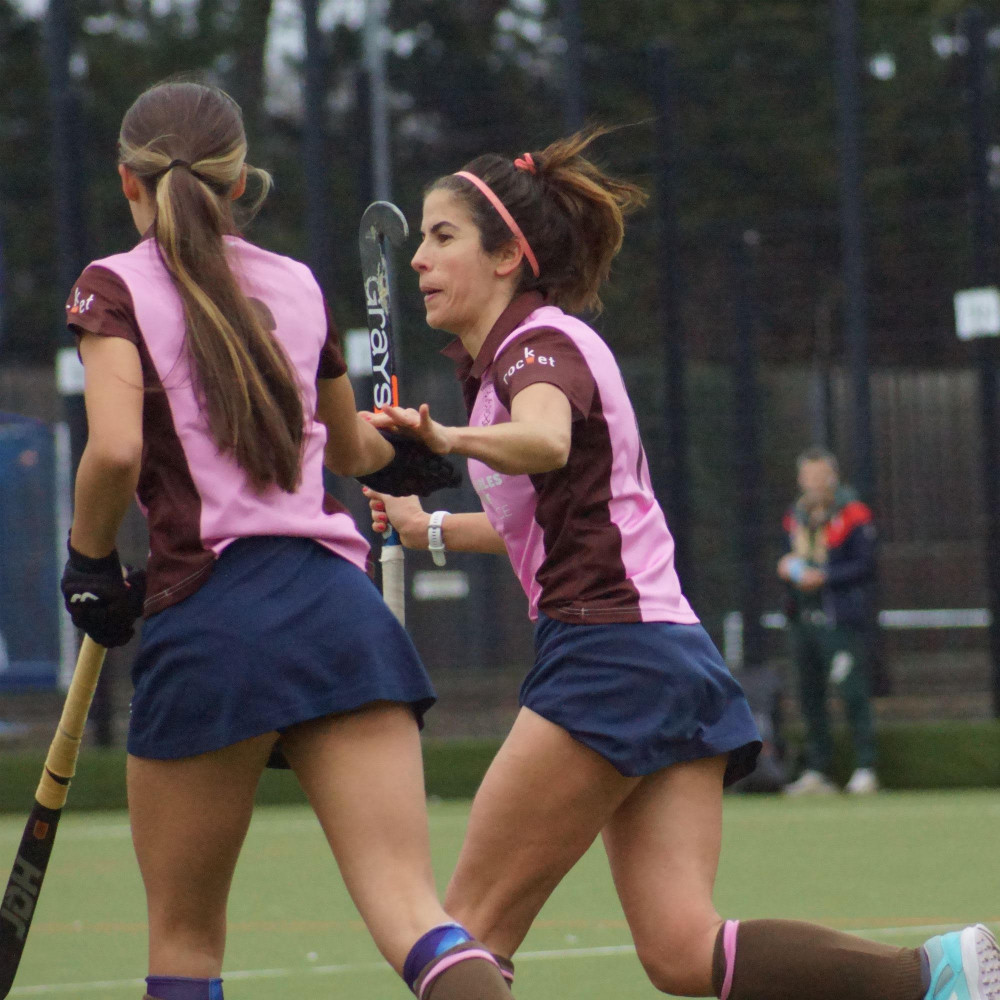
(836, 654)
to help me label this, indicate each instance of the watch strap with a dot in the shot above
(435, 536)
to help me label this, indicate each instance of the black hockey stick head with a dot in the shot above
(382, 223)
(21, 895)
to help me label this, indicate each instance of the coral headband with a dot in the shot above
(505, 215)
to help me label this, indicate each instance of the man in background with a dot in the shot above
(830, 572)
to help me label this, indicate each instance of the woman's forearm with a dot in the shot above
(370, 451)
(514, 448)
(460, 532)
(104, 489)
(470, 533)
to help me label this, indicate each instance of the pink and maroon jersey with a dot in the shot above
(588, 542)
(196, 499)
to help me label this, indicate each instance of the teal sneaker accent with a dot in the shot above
(964, 965)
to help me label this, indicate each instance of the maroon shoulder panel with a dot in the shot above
(583, 566)
(178, 561)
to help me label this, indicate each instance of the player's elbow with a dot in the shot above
(118, 456)
(547, 454)
(346, 465)
(557, 451)
(361, 462)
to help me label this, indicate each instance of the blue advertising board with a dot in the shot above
(29, 590)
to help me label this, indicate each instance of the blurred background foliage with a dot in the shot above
(756, 141)
(756, 184)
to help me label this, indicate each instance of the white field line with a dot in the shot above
(805, 812)
(121, 831)
(54, 989)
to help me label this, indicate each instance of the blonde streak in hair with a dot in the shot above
(227, 175)
(266, 183)
(241, 363)
(275, 355)
(167, 228)
(237, 407)
(270, 344)
(144, 160)
(249, 371)
(246, 370)
(233, 159)
(234, 348)
(224, 168)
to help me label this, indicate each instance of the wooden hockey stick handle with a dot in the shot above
(60, 763)
(393, 577)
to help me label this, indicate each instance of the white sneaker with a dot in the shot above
(811, 783)
(863, 782)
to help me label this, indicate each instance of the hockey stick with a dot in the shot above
(21, 895)
(382, 223)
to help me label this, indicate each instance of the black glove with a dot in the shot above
(414, 469)
(100, 600)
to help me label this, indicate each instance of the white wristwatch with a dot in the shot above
(435, 536)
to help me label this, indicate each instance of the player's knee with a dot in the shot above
(662, 970)
(678, 963)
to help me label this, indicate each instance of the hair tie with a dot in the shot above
(187, 166)
(504, 214)
(526, 162)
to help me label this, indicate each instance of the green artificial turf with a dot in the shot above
(897, 865)
(930, 755)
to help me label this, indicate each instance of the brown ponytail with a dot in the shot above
(186, 143)
(570, 211)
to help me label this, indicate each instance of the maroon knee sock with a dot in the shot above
(791, 960)
(506, 967)
(465, 972)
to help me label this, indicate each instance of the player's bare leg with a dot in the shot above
(189, 819)
(541, 804)
(663, 845)
(363, 775)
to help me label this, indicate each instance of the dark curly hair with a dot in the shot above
(570, 211)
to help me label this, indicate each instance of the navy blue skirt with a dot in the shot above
(282, 631)
(643, 695)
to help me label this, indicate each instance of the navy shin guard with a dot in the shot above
(183, 988)
(448, 961)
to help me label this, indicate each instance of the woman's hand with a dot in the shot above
(403, 513)
(379, 420)
(419, 423)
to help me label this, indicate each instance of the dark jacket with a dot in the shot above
(844, 547)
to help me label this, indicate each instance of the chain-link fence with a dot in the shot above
(760, 319)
